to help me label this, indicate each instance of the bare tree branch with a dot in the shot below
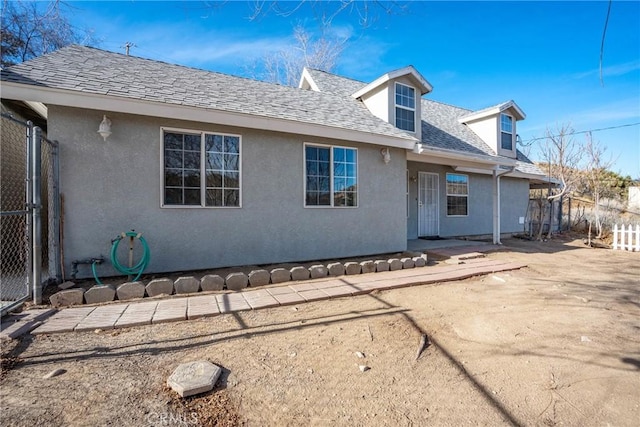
(31, 29)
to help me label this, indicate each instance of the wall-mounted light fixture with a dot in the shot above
(386, 155)
(413, 179)
(105, 127)
(417, 148)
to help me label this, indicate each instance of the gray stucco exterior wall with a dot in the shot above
(115, 186)
(514, 198)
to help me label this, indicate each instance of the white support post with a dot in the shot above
(615, 237)
(630, 238)
(637, 237)
(622, 237)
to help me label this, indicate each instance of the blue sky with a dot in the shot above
(543, 55)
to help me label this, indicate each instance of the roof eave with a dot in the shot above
(425, 86)
(76, 99)
(520, 115)
(484, 161)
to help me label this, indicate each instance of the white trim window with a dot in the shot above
(405, 103)
(331, 176)
(200, 169)
(506, 132)
(457, 194)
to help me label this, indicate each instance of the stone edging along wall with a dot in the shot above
(233, 281)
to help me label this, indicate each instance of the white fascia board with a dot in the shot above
(39, 108)
(306, 77)
(426, 86)
(453, 158)
(181, 112)
(520, 115)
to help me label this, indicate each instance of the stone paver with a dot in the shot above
(64, 320)
(258, 278)
(395, 264)
(280, 275)
(130, 290)
(211, 282)
(419, 261)
(100, 293)
(352, 268)
(202, 306)
(317, 271)
(381, 265)
(137, 314)
(193, 378)
(407, 263)
(67, 297)
(170, 310)
(335, 269)
(232, 302)
(160, 286)
(340, 291)
(300, 273)
(236, 281)
(285, 295)
(260, 299)
(186, 285)
(18, 324)
(174, 309)
(103, 317)
(368, 267)
(313, 295)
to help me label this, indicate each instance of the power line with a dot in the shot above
(580, 132)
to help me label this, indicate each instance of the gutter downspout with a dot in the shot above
(497, 173)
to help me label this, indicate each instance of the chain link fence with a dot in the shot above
(29, 211)
(14, 245)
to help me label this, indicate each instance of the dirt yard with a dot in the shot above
(557, 343)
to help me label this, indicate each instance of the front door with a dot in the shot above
(427, 204)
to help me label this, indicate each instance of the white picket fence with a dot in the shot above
(626, 239)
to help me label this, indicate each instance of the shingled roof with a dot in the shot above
(94, 71)
(441, 128)
(85, 70)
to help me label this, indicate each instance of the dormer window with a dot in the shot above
(506, 132)
(405, 107)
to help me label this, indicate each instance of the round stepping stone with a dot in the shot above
(299, 273)
(130, 290)
(211, 282)
(100, 293)
(193, 378)
(259, 278)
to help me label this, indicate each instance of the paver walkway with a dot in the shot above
(145, 312)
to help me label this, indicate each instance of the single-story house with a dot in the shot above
(217, 170)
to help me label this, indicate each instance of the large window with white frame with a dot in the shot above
(405, 102)
(331, 176)
(457, 194)
(200, 169)
(506, 132)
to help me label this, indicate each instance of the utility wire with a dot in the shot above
(604, 33)
(528, 142)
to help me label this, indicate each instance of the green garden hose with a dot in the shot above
(128, 271)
